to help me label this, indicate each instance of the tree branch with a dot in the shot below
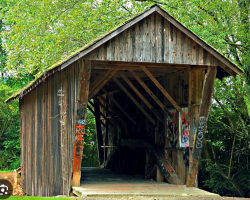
(224, 175)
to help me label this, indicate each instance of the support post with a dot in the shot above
(84, 79)
(207, 93)
(99, 133)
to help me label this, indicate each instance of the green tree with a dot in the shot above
(43, 32)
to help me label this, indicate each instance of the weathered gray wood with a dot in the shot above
(146, 40)
(166, 40)
(198, 40)
(159, 39)
(152, 38)
(204, 110)
(178, 54)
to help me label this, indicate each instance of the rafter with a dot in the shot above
(152, 94)
(142, 97)
(119, 106)
(104, 81)
(165, 92)
(134, 100)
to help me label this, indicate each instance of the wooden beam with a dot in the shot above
(97, 89)
(81, 107)
(106, 119)
(165, 92)
(108, 112)
(99, 135)
(165, 167)
(142, 97)
(152, 94)
(99, 80)
(109, 157)
(184, 71)
(207, 93)
(138, 64)
(119, 106)
(91, 110)
(134, 100)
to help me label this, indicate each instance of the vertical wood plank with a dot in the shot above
(140, 44)
(129, 47)
(166, 40)
(109, 49)
(22, 107)
(178, 55)
(200, 55)
(117, 47)
(137, 49)
(159, 38)
(113, 49)
(125, 45)
(121, 46)
(152, 38)
(64, 139)
(193, 52)
(133, 37)
(50, 169)
(146, 40)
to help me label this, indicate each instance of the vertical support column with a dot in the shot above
(204, 110)
(82, 102)
(99, 133)
(64, 139)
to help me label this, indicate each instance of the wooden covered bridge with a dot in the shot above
(149, 84)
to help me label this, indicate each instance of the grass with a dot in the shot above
(39, 198)
(6, 171)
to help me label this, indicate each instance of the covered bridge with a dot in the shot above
(150, 83)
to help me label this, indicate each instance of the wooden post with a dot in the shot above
(99, 133)
(85, 68)
(207, 94)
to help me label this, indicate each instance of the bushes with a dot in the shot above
(9, 131)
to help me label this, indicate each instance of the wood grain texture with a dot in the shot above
(204, 110)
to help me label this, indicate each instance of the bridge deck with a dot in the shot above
(103, 182)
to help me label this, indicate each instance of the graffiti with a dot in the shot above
(172, 131)
(81, 111)
(78, 147)
(186, 158)
(200, 135)
(195, 127)
(81, 122)
(185, 129)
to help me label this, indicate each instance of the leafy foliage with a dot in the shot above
(9, 131)
(43, 32)
(90, 154)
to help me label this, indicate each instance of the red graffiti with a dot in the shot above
(80, 132)
(78, 147)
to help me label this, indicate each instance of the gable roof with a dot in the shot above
(227, 65)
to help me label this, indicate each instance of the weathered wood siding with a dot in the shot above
(156, 40)
(47, 126)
